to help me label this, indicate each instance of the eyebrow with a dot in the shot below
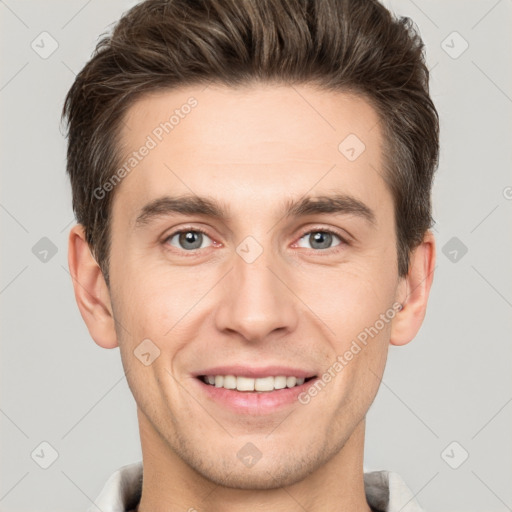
(197, 205)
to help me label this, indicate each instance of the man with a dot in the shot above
(252, 186)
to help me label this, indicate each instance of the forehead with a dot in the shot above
(244, 143)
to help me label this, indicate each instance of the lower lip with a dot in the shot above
(254, 402)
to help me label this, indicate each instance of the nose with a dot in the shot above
(256, 300)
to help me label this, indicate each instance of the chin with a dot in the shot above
(266, 477)
(272, 471)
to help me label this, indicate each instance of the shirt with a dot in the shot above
(385, 491)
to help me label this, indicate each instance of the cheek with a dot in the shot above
(150, 300)
(350, 298)
(160, 305)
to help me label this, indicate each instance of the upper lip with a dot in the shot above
(257, 372)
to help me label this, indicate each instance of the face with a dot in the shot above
(227, 260)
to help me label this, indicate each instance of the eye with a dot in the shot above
(320, 239)
(188, 239)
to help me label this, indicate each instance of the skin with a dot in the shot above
(252, 149)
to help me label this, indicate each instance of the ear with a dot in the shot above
(413, 292)
(91, 291)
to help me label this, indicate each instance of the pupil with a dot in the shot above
(191, 237)
(324, 239)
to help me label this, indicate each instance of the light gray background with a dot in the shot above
(452, 383)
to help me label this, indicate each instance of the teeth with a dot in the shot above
(244, 384)
(264, 384)
(230, 382)
(279, 382)
(291, 381)
(249, 384)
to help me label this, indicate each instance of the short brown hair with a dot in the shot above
(341, 45)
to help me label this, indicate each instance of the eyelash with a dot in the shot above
(331, 250)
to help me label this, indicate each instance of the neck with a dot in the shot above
(171, 485)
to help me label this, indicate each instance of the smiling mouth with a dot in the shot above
(253, 385)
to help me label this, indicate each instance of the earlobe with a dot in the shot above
(413, 292)
(91, 291)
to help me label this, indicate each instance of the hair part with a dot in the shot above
(353, 46)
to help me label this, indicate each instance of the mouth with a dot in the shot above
(244, 384)
(254, 392)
